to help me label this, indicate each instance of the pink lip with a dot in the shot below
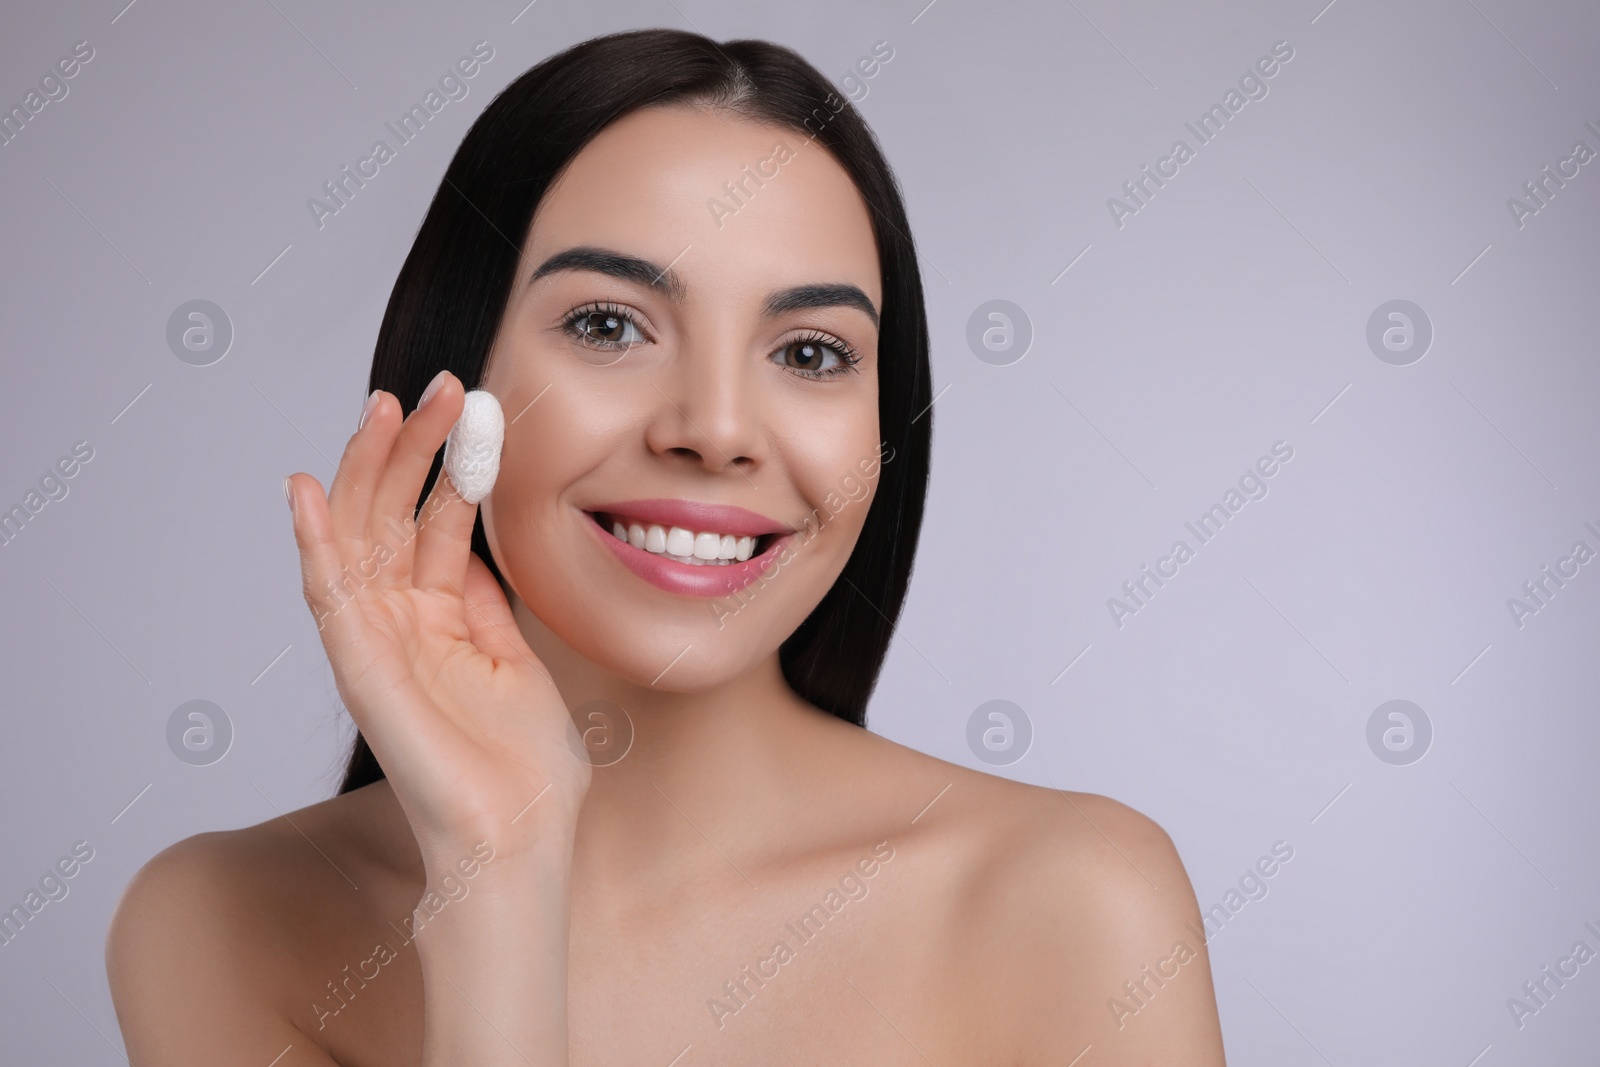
(688, 579)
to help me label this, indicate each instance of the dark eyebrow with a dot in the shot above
(820, 295)
(671, 285)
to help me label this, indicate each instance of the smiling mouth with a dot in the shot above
(700, 548)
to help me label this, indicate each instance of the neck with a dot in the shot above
(704, 775)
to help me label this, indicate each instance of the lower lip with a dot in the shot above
(688, 579)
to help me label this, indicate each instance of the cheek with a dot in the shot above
(514, 513)
(830, 454)
(527, 515)
(832, 473)
(531, 466)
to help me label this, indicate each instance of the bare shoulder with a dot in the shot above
(1099, 932)
(1055, 833)
(1071, 912)
(203, 954)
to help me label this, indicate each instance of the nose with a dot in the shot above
(707, 410)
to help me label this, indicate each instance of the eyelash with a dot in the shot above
(847, 355)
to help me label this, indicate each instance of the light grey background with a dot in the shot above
(1229, 313)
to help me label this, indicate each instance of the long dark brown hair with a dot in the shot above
(448, 299)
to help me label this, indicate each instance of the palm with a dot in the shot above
(493, 708)
(465, 721)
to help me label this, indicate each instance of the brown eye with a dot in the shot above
(808, 355)
(606, 327)
(818, 357)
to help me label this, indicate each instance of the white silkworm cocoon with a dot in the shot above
(472, 451)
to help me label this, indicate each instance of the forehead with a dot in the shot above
(735, 206)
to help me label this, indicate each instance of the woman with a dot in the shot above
(619, 805)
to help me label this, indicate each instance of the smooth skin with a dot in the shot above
(957, 917)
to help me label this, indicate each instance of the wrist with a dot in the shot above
(539, 835)
(508, 866)
(503, 922)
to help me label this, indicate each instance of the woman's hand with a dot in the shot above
(466, 722)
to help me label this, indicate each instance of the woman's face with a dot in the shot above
(693, 329)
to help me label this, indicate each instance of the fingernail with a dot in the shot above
(433, 387)
(288, 494)
(366, 409)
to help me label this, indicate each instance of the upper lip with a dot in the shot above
(696, 515)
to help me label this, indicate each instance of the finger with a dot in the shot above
(323, 572)
(490, 624)
(350, 499)
(400, 732)
(445, 539)
(400, 483)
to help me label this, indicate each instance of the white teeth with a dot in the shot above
(686, 546)
(680, 542)
(707, 545)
